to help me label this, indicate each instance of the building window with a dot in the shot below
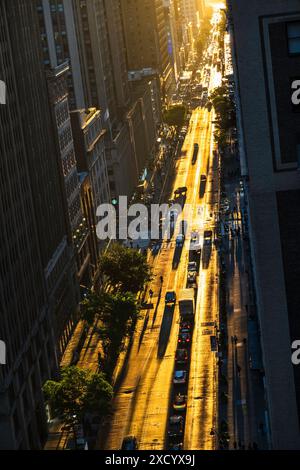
(293, 32)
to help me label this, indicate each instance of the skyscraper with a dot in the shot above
(90, 34)
(266, 38)
(38, 289)
(147, 41)
(66, 28)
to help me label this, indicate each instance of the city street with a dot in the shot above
(142, 402)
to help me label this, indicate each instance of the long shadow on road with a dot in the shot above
(165, 330)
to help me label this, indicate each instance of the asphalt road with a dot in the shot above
(142, 402)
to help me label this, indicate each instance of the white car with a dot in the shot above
(180, 240)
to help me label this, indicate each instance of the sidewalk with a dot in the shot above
(245, 408)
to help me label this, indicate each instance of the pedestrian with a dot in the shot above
(235, 339)
(238, 369)
(234, 445)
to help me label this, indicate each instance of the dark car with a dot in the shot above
(184, 338)
(181, 356)
(129, 443)
(176, 424)
(192, 278)
(179, 403)
(176, 446)
(181, 190)
(170, 298)
(185, 325)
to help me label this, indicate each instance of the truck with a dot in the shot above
(187, 304)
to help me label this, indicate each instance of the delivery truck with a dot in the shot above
(187, 304)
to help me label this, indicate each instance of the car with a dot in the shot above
(184, 338)
(129, 443)
(181, 356)
(191, 278)
(185, 325)
(182, 189)
(170, 297)
(176, 426)
(179, 403)
(208, 238)
(176, 446)
(192, 267)
(195, 241)
(180, 240)
(179, 377)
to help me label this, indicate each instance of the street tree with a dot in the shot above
(126, 269)
(77, 392)
(175, 115)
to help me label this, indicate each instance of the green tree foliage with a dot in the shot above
(116, 315)
(78, 391)
(126, 269)
(92, 307)
(175, 115)
(226, 115)
(225, 111)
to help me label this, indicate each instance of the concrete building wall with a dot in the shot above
(273, 186)
(37, 292)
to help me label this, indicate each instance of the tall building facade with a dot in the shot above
(173, 43)
(147, 40)
(266, 51)
(59, 41)
(38, 288)
(89, 137)
(57, 79)
(90, 34)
